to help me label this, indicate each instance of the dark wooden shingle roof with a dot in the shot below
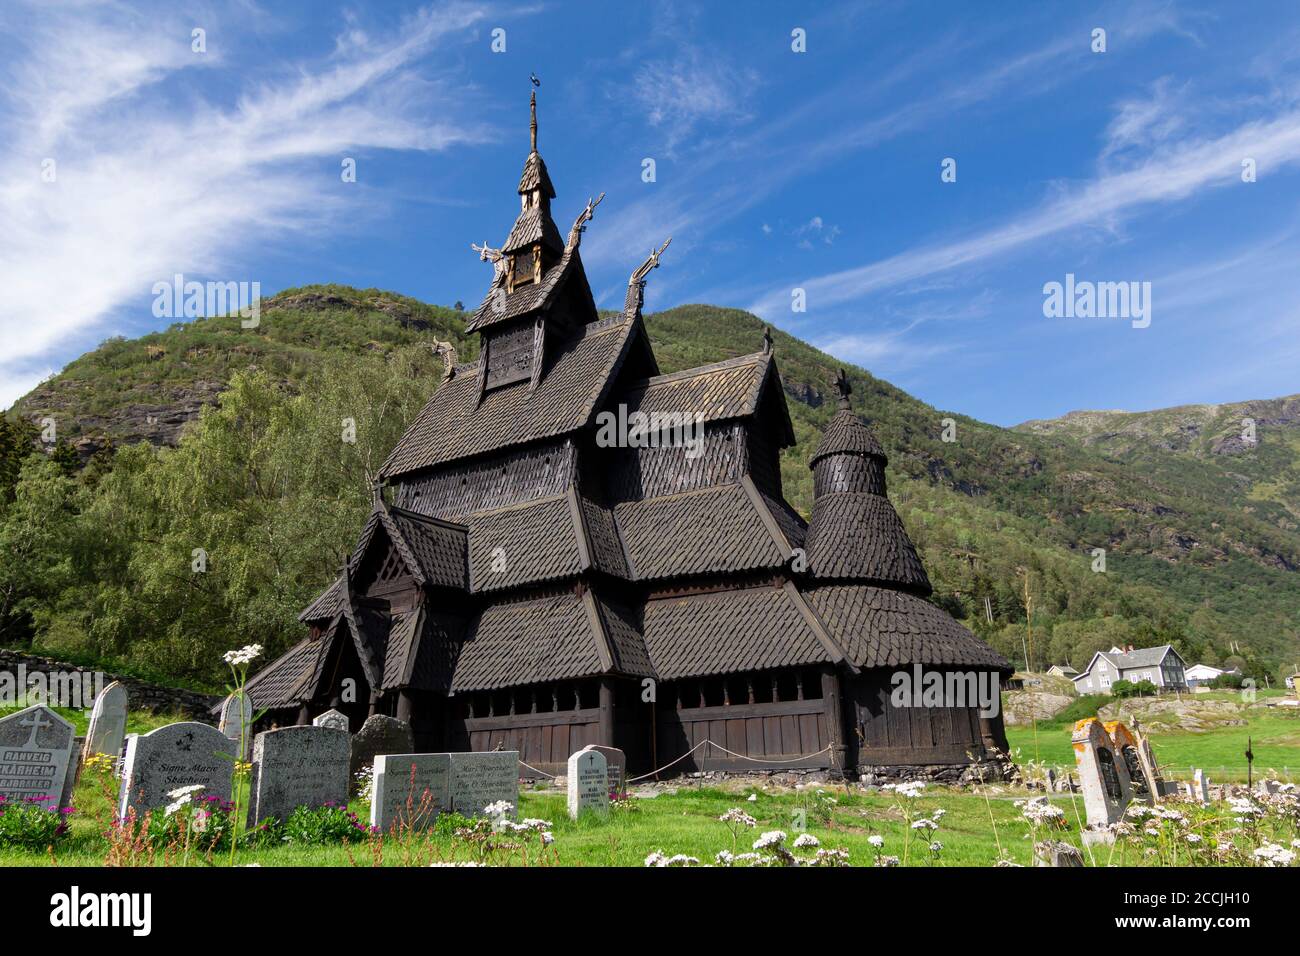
(846, 433)
(454, 425)
(729, 632)
(696, 532)
(879, 627)
(522, 545)
(859, 536)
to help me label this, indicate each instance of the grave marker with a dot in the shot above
(615, 767)
(479, 780)
(336, 720)
(379, 735)
(107, 730)
(588, 782)
(297, 767)
(171, 757)
(237, 715)
(409, 789)
(36, 747)
(1103, 778)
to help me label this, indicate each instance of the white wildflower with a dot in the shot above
(806, 839)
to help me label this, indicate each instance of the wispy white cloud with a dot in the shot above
(153, 178)
(1171, 173)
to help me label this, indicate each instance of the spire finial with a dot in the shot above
(846, 389)
(767, 340)
(532, 107)
(377, 489)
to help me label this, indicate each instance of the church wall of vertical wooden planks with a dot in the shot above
(568, 547)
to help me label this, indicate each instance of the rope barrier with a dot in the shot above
(711, 743)
(535, 770)
(731, 753)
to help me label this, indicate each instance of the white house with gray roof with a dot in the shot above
(1161, 665)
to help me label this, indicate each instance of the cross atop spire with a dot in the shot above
(846, 389)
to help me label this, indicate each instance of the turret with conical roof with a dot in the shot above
(855, 533)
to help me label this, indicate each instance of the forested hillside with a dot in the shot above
(212, 444)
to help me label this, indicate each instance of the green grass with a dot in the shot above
(1274, 737)
(685, 821)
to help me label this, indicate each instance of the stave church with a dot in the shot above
(525, 582)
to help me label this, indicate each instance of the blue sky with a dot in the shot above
(775, 170)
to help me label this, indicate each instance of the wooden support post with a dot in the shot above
(606, 726)
(834, 719)
(405, 705)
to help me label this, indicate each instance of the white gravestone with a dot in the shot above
(479, 780)
(409, 790)
(1201, 786)
(588, 783)
(36, 747)
(107, 730)
(237, 716)
(414, 788)
(335, 720)
(171, 757)
(297, 767)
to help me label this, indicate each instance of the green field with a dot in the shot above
(685, 821)
(1273, 733)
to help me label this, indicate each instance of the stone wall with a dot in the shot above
(143, 695)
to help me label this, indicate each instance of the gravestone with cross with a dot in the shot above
(36, 757)
(588, 782)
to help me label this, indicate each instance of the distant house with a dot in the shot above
(1063, 670)
(1200, 674)
(1161, 665)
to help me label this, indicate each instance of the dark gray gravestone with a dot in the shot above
(171, 757)
(297, 767)
(36, 747)
(379, 735)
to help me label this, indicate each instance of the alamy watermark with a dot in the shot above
(1084, 299)
(192, 299)
(920, 687)
(76, 690)
(624, 429)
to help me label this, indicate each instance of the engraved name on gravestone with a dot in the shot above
(479, 780)
(297, 767)
(107, 730)
(615, 768)
(335, 720)
(36, 747)
(409, 790)
(171, 757)
(588, 783)
(237, 716)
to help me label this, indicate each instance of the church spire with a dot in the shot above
(532, 124)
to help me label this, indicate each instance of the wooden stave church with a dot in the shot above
(527, 588)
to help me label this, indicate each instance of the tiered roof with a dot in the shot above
(710, 572)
